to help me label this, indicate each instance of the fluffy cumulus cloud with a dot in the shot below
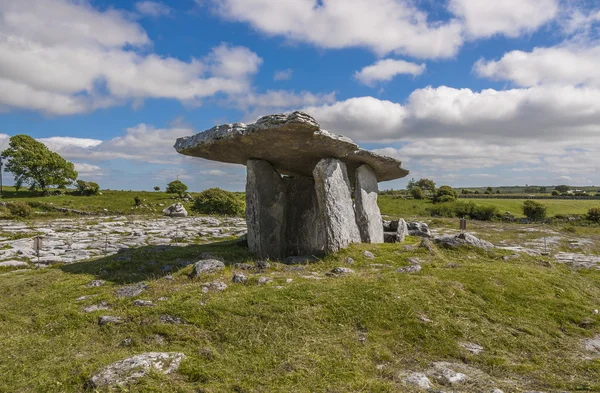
(382, 26)
(153, 9)
(65, 57)
(508, 17)
(385, 70)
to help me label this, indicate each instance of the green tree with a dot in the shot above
(445, 194)
(534, 210)
(32, 163)
(417, 193)
(562, 188)
(218, 201)
(427, 185)
(176, 187)
(87, 187)
(156, 188)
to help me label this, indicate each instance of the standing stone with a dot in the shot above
(368, 216)
(304, 231)
(265, 210)
(335, 204)
(402, 230)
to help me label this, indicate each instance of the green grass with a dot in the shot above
(306, 336)
(399, 207)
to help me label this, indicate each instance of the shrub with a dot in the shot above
(445, 198)
(445, 194)
(555, 193)
(176, 187)
(156, 188)
(417, 193)
(484, 212)
(442, 210)
(137, 200)
(593, 214)
(534, 210)
(20, 209)
(87, 187)
(218, 201)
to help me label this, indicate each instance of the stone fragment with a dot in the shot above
(368, 255)
(463, 239)
(401, 231)
(131, 290)
(107, 319)
(342, 270)
(143, 303)
(418, 379)
(446, 375)
(97, 307)
(300, 260)
(418, 229)
(368, 216)
(96, 283)
(265, 210)
(214, 286)
(206, 266)
(335, 205)
(170, 319)
(304, 230)
(243, 266)
(128, 370)
(175, 210)
(239, 278)
(592, 344)
(475, 349)
(409, 269)
(262, 265)
(264, 280)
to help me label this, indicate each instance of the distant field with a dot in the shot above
(408, 207)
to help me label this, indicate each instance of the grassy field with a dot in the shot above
(399, 207)
(356, 333)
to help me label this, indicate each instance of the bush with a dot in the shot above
(445, 198)
(20, 209)
(442, 210)
(137, 200)
(593, 214)
(555, 193)
(156, 188)
(534, 210)
(87, 187)
(176, 187)
(417, 193)
(445, 194)
(218, 201)
(484, 212)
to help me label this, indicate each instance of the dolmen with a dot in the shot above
(299, 183)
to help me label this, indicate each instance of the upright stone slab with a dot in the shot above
(304, 230)
(335, 204)
(265, 210)
(368, 216)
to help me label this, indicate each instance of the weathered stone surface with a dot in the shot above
(300, 260)
(214, 286)
(395, 231)
(335, 204)
(418, 229)
(340, 270)
(14, 264)
(206, 266)
(131, 290)
(107, 319)
(239, 278)
(463, 239)
(402, 231)
(135, 367)
(304, 231)
(418, 379)
(265, 210)
(368, 216)
(293, 143)
(175, 210)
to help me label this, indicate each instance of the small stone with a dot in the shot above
(143, 303)
(170, 319)
(106, 319)
(264, 280)
(342, 270)
(162, 299)
(300, 260)
(423, 318)
(80, 298)
(413, 261)
(131, 290)
(368, 255)
(126, 342)
(97, 307)
(497, 391)
(169, 277)
(239, 278)
(96, 283)
(214, 286)
(445, 375)
(418, 379)
(244, 266)
(263, 265)
(409, 269)
(288, 280)
(207, 266)
(349, 261)
(473, 348)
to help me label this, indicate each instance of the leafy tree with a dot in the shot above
(426, 185)
(87, 187)
(32, 163)
(412, 183)
(555, 193)
(489, 189)
(498, 192)
(445, 194)
(542, 190)
(156, 188)
(562, 188)
(417, 193)
(218, 201)
(534, 210)
(176, 187)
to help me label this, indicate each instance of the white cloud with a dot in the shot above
(485, 18)
(88, 170)
(64, 57)
(283, 75)
(568, 64)
(382, 26)
(153, 9)
(385, 70)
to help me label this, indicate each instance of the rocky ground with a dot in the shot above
(72, 240)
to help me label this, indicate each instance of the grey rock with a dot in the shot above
(335, 205)
(175, 210)
(97, 307)
(293, 143)
(446, 375)
(239, 278)
(342, 270)
(265, 210)
(409, 269)
(475, 349)
(418, 229)
(349, 261)
(14, 264)
(264, 280)
(143, 303)
(207, 266)
(368, 255)
(128, 370)
(126, 342)
(463, 239)
(300, 260)
(107, 319)
(401, 231)
(262, 265)
(96, 283)
(592, 344)
(304, 230)
(243, 266)
(214, 286)
(368, 216)
(132, 290)
(165, 318)
(418, 379)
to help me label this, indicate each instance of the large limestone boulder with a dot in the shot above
(463, 239)
(368, 216)
(335, 204)
(293, 143)
(175, 210)
(265, 210)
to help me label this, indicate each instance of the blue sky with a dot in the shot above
(466, 92)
